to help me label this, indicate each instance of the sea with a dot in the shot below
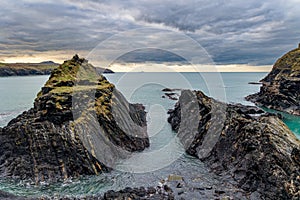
(165, 156)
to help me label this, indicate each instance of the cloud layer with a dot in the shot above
(232, 31)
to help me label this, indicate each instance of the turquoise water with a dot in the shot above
(165, 155)
(17, 95)
(228, 87)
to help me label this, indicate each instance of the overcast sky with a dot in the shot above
(251, 32)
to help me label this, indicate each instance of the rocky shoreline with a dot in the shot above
(280, 88)
(252, 149)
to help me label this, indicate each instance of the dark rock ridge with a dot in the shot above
(280, 88)
(79, 125)
(104, 70)
(255, 83)
(32, 69)
(245, 146)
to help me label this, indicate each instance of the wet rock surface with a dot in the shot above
(248, 148)
(79, 125)
(8, 196)
(280, 88)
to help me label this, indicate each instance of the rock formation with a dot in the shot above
(245, 146)
(280, 89)
(79, 125)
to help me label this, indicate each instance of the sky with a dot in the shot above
(229, 32)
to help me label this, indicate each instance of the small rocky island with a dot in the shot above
(280, 89)
(79, 125)
(247, 147)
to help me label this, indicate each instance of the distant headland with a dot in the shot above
(32, 69)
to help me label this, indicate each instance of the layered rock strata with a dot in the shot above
(245, 146)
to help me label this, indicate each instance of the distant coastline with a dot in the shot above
(32, 69)
(27, 69)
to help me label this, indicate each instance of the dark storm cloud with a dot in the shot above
(232, 31)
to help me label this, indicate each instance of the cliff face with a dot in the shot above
(80, 125)
(280, 89)
(247, 147)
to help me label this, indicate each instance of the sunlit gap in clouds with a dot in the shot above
(177, 67)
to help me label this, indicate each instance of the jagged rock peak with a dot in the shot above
(76, 58)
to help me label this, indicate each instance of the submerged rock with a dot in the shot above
(172, 94)
(79, 125)
(253, 150)
(254, 83)
(280, 88)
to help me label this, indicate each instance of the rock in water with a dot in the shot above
(80, 125)
(252, 149)
(281, 87)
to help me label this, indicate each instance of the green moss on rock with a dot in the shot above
(288, 66)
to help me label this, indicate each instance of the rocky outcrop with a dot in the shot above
(280, 88)
(245, 146)
(104, 70)
(79, 125)
(172, 94)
